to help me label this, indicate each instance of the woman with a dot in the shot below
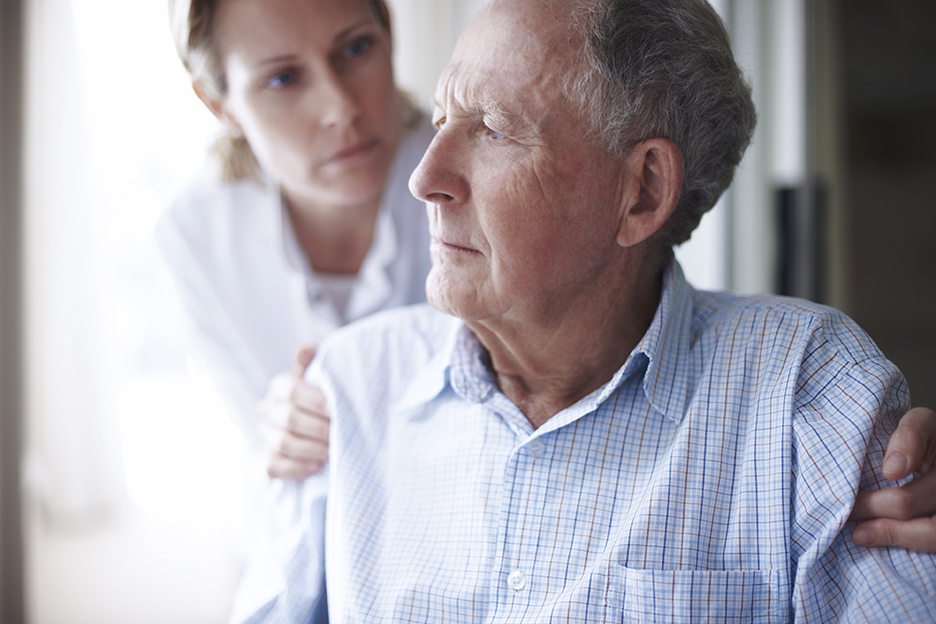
(306, 222)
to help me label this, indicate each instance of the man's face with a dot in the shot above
(523, 211)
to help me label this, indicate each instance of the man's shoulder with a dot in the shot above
(407, 335)
(786, 322)
(815, 352)
(368, 366)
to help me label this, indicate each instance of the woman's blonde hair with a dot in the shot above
(192, 24)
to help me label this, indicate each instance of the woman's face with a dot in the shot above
(310, 86)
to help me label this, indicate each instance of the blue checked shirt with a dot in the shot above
(708, 481)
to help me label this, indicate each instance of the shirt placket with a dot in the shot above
(515, 579)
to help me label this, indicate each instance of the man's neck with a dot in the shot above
(544, 369)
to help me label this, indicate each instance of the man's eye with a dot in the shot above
(438, 123)
(494, 134)
(281, 80)
(358, 48)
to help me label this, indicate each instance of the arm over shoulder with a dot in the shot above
(848, 400)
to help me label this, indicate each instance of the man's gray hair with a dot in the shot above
(665, 69)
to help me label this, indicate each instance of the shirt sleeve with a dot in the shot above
(844, 414)
(284, 581)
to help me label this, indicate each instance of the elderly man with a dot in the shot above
(571, 432)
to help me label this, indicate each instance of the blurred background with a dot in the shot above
(122, 478)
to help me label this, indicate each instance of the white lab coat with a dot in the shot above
(248, 291)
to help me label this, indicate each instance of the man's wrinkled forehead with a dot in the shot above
(510, 38)
(531, 28)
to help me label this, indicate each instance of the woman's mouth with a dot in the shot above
(356, 153)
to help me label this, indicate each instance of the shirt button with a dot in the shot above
(516, 581)
(536, 448)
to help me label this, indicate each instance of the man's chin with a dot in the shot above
(462, 297)
(450, 303)
(442, 304)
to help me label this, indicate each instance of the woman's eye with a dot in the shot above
(438, 123)
(358, 48)
(281, 80)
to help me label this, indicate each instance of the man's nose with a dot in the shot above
(440, 177)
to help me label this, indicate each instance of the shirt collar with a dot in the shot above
(434, 376)
(662, 355)
(667, 380)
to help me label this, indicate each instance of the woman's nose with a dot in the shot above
(339, 104)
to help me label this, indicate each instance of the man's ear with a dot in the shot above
(654, 176)
(219, 109)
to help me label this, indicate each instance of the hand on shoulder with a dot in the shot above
(294, 423)
(906, 516)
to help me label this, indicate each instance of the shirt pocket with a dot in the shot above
(715, 597)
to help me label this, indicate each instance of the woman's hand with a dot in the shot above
(294, 423)
(904, 516)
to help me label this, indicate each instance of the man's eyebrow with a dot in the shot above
(490, 108)
(501, 115)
